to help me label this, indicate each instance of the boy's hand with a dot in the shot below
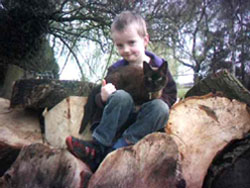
(106, 90)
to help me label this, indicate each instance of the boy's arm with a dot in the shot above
(169, 94)
(98, 98)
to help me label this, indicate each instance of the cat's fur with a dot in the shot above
(143, 84)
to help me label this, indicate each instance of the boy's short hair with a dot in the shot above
(126, 18)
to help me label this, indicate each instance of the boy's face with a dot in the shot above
(130, 45)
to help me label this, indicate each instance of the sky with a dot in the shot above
(71, 72)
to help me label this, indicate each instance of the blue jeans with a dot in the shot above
(120, 108)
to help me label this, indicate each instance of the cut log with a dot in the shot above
(39, 166)
(224, 82)
(40, 94)
(64, 120)
(18, 128)
(203, 126)
(230, 168)
(152, 162)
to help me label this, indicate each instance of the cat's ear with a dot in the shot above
(146, 67)
(164, 67)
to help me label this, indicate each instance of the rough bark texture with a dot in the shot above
(230, 168)
(39, 94)
(224, 82)
(152, 163)
(8, 155)
(201, 127)
(39, 166)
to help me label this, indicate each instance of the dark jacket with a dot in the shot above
(169, 93)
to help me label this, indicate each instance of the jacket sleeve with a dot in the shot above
(169, 93)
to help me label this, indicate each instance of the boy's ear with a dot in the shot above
(146, 40)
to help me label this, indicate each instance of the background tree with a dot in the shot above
(200, 34)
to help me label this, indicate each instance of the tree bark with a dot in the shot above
(224, 82)
(13, 73)
(230, 168)
(41, 93)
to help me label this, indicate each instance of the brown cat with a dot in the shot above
(143, 84)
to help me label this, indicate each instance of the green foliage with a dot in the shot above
(41, 60)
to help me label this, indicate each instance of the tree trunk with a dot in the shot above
(13, 73)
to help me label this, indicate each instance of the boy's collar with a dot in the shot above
(157, 61)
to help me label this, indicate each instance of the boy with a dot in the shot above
(129, 34)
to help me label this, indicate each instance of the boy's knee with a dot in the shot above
(120, 97)
(159, 107)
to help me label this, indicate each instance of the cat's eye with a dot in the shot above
(149, 79)
(160, 79)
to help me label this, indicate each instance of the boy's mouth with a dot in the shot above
(127, 56)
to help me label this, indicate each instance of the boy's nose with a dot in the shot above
(126, 48)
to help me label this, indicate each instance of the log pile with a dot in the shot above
(206, 144)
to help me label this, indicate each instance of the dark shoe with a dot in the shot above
(90, 152)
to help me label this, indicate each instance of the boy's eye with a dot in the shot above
(132, 42)
(119, 45)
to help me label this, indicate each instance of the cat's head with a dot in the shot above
(155, 78)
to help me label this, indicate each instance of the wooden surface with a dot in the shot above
(42, 93)
(223, 82)
(202, 127)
